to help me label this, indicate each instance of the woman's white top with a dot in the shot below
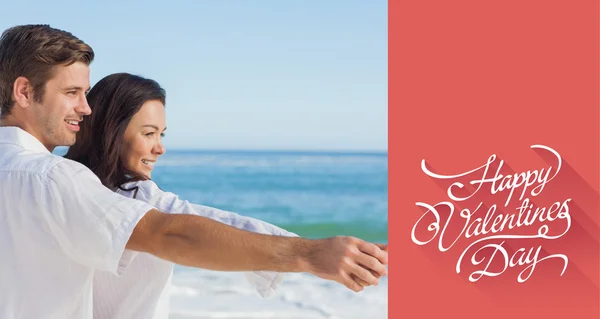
(143, 290)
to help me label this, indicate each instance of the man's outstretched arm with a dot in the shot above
(197, 241)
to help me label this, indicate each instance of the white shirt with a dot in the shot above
(143, 291)
(58, 224)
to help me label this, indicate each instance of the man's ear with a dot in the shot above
(22, 92)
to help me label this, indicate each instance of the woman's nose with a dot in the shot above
(160, 148)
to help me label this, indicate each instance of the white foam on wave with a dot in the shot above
(207, 294)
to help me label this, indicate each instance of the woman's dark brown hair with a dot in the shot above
(114, 100)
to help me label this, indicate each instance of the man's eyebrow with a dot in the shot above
(76, 88)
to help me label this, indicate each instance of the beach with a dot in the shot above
(207, 294)
(312, 194)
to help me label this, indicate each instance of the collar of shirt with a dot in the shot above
(18, 136)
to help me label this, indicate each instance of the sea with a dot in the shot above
(313, 194)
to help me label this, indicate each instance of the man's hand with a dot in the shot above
(347, 260)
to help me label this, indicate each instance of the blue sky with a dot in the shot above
(275, 75)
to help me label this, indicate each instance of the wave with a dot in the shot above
(210, 294)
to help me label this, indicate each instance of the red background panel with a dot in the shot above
(472, 79)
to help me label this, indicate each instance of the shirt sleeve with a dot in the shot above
(91, 223)
(168, 202)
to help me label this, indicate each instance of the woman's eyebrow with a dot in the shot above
(153, 126)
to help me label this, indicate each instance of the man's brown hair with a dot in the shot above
(32, 51)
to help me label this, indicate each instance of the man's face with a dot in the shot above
(56, 119)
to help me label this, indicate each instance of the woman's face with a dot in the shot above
(142, 142)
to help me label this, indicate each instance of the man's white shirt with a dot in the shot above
(58, 224)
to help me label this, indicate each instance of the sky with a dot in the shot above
(243, 75)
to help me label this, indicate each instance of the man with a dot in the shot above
(58, 223)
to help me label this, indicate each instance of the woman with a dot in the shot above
(120, 142)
